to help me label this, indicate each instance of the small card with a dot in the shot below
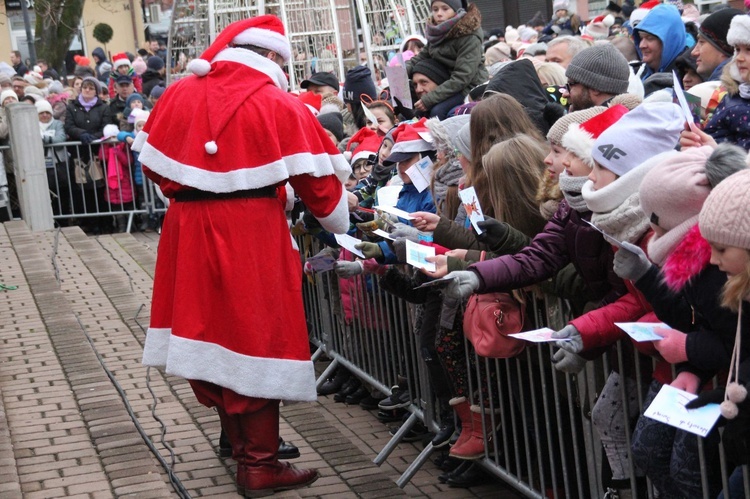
(388, 195)
(369, 115)
(347, 242)
(642, 331)
(420, 173)
(416, 255)
(383, 234)
(677, 87)
(398, 81)
(669, 407)
(607, 237)
(322, 263)
(437, 283)
(395, 211)
(543, 335)
(471, 204)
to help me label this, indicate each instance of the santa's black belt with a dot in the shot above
(194, 195)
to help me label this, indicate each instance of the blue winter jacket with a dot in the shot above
(665, 23)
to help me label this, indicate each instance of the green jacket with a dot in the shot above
(460, 52)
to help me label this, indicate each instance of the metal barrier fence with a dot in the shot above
(539, 431)
(98, 180)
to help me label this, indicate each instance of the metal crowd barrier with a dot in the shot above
(541, 437)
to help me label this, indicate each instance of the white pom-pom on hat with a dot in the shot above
(199, 67)
(211, 147)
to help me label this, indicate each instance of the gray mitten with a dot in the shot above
(405, 231)
(631, 262)
(574, 343)
(568, 362)
(464, 283)
(347, 270)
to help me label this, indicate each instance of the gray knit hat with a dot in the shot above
(555, 134)
(725, 217)
(601, 67)
(463, 141)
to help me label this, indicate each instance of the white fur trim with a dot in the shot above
(739, 31)
(257, 62)
(412, 146)
(140, 140)
(317, 165)
(199, 67)
(360, 155)
(338, 220)
(608, 20)
(579, 142)
(271, 378)
(121, 62)
(265, 38)
(211, 147)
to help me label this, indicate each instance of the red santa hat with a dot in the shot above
(410, 139)
(312, 101)
(120, 59)
(367, 143)
(262, 31)
(598, 28)
(638, 14)
(580, 138)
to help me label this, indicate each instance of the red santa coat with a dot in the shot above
(227, 303)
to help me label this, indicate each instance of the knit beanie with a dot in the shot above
(560, 5)
(97, 84)
(453, 4)
(674, 190)
(8, 93)
(432, 70)
(725, 217)
(155, 63)
(444, 132)
(739, 31)
(334, 123)
(556, 132)
(358, 83)
(497, 53)
(42, 106)
(601, 67)
(644, 132)
(139, 65)
(157, 91)
(463, 141)
(714, 29)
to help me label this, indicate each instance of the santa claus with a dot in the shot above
(227, 310)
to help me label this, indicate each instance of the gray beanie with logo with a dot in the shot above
(601, 67)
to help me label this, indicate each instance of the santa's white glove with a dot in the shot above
(631, 262)
(347, 270)
(568, 362)
(574, 343)
(464, 283)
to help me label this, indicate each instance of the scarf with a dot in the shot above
(571, 189)
(435, 33)
(45, 126)
(87, 105)
(446, 176)
(660, 247)
(745, 90)
(626, 222)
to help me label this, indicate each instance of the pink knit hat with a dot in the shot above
(673, 192)
(725, 217)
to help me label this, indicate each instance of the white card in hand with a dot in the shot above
(669, 408)
(347, 242)
(416, 255)
(473, 209)
(420, 173)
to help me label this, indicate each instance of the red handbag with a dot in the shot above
(489, 319)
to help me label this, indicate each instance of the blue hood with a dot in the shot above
(665, 23)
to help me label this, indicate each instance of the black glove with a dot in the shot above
(87, 138)
(405, 112)
(493, 233)
(715, 396)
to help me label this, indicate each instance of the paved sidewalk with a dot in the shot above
(73, 394)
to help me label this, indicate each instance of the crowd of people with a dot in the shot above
(103, 101)
(596, 186)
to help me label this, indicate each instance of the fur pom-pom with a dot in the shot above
(608, 20)
(211, 147)
(348, 155)
(199, 67)
(736, 393)
(729, 409)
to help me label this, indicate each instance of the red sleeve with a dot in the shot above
(326, 198)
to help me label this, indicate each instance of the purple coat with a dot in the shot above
(566, 238)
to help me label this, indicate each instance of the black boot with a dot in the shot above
(225, 446)
(287, 450)
(447, 428)
(473, 476)
(456, 471)
(334, 385)
(349, 388)
(356, 397)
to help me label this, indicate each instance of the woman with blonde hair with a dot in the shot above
(551, 74)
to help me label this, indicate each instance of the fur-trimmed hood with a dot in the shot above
(470, 23)
(688, 259)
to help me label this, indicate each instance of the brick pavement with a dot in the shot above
(65, 430)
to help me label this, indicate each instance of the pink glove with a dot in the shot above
(672, 347)
(371, 266)
(687, 382)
